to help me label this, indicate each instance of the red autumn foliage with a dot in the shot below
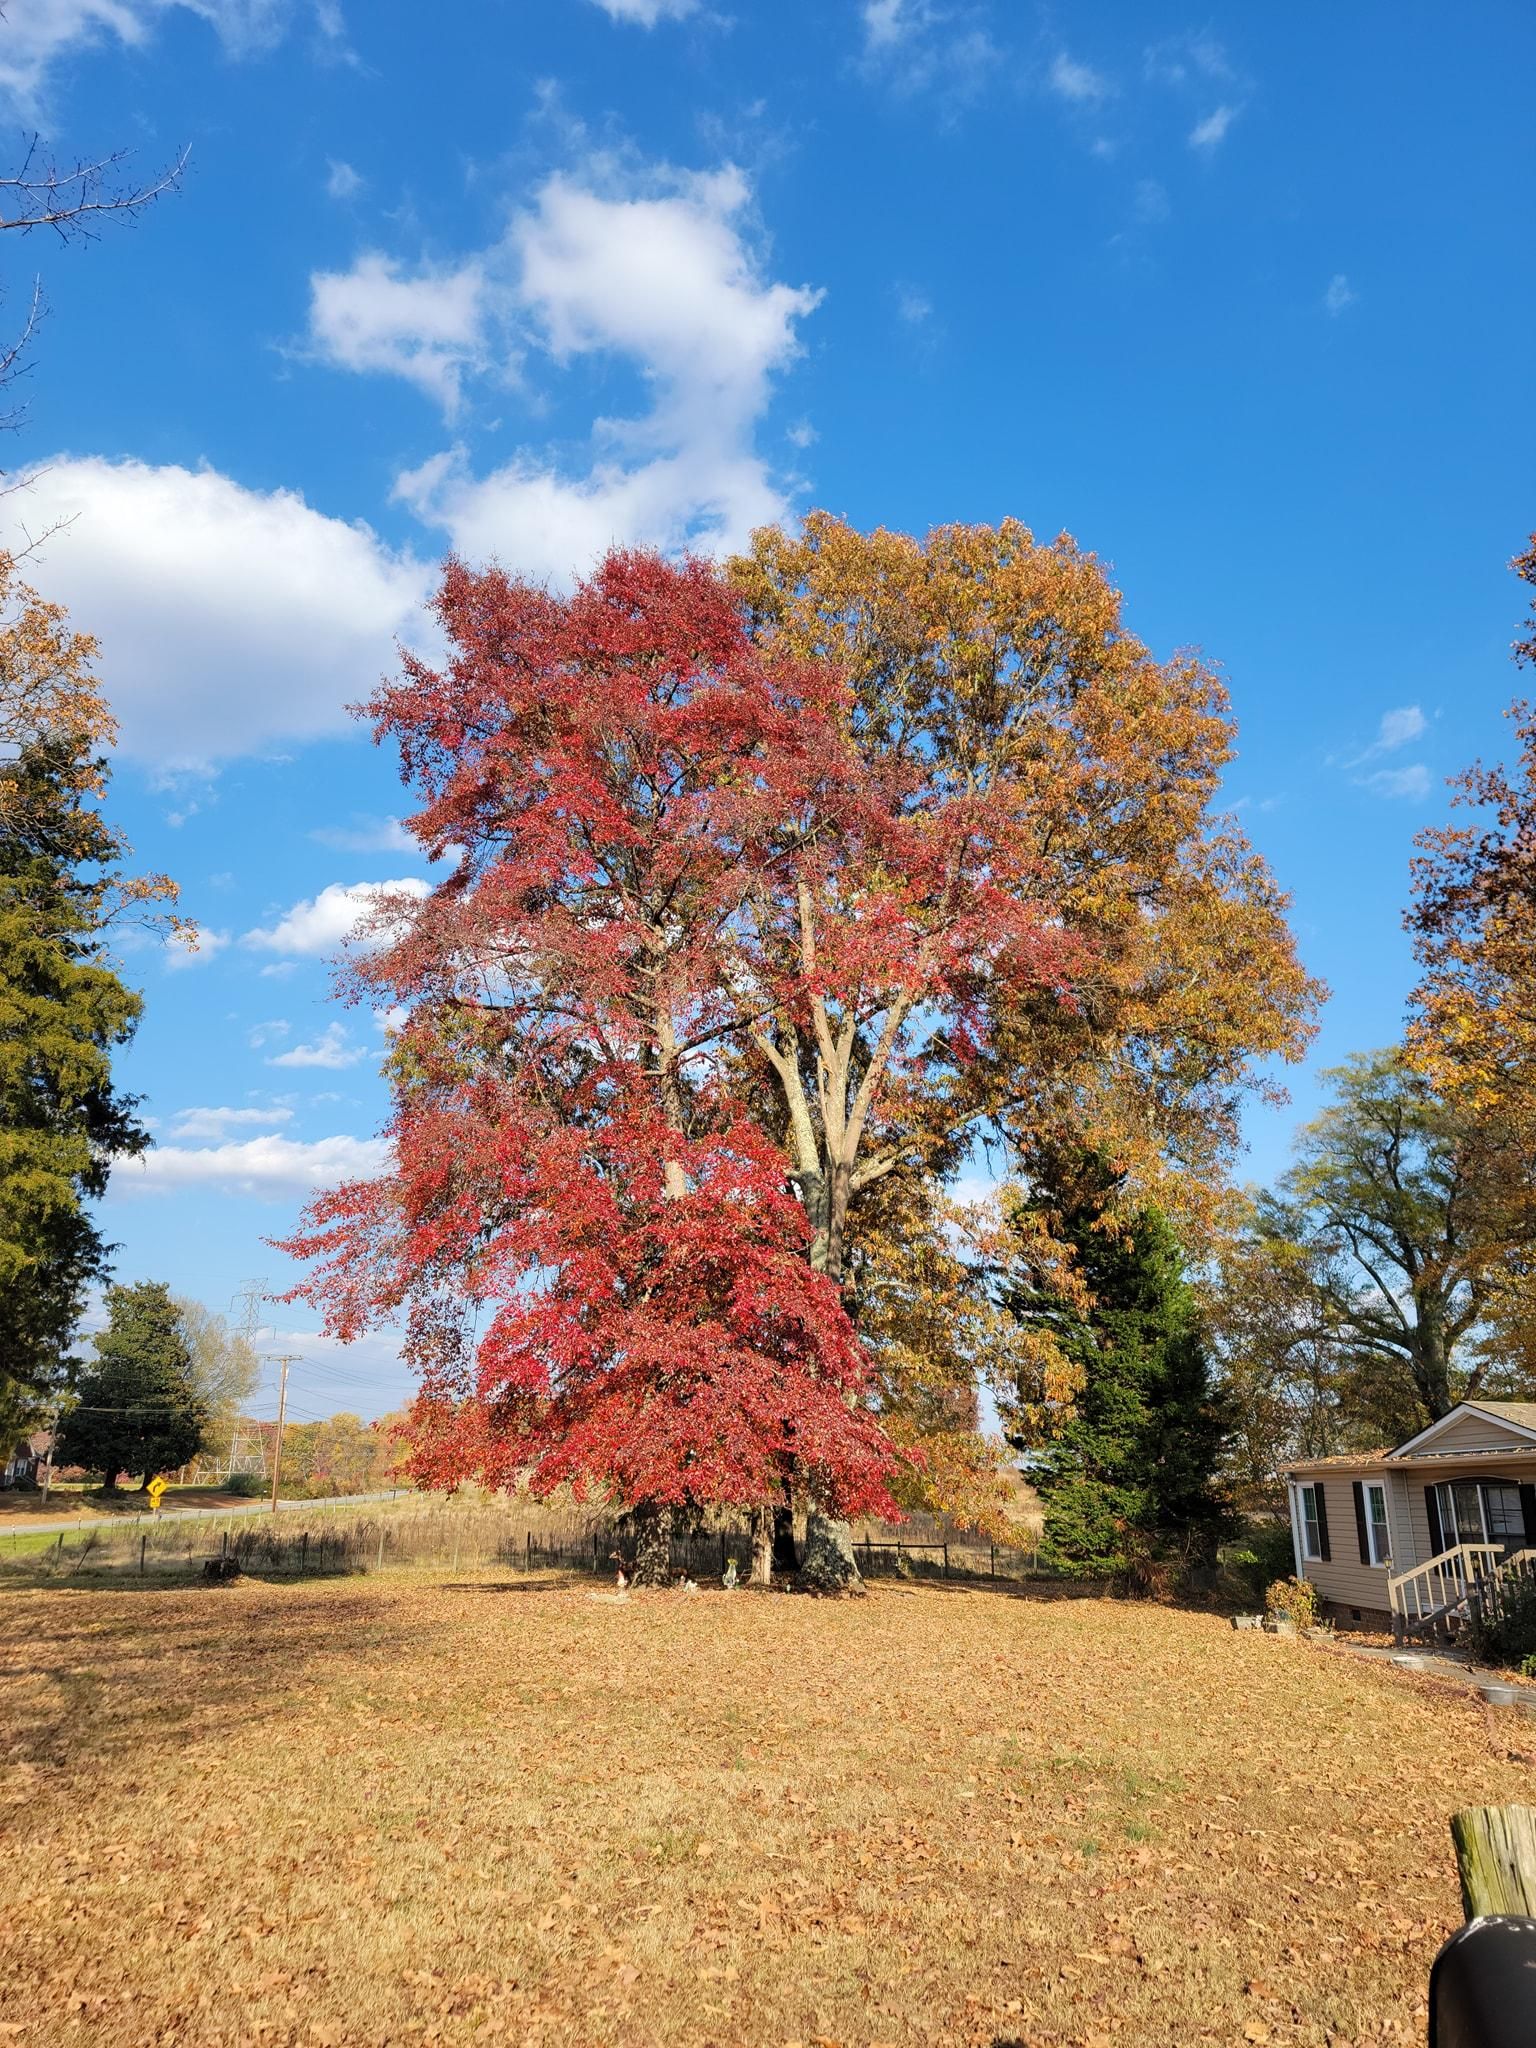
(613, 769)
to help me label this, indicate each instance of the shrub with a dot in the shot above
(1262, 1554)
(1293, 1600)
(1507, 1633)
(247, 1485)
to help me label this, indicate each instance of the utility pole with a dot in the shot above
(282, 1402)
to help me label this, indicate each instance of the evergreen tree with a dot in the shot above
(138, 1407)
(1129, 1481)
(63, 1010)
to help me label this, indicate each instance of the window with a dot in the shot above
(1312, 1522)
(1471, 1512)
(1501, 1512)
(1377, 1535)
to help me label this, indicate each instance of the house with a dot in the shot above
(1406, 1539)
(21, 1458)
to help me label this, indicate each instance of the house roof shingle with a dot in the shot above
(1523, 1412)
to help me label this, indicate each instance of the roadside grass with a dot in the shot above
(74, 1497)
(397, 1810)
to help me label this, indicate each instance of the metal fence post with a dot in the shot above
(993, 1548)
(528, 1552)
(946, 1560)
(304, 1552)
(143, 1541)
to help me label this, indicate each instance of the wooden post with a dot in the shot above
(304, 1553)
(946, 1560)
(143, 1540)
(528, 1552)
(1496, 1859)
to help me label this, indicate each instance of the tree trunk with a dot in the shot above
(652, 1527)
(784, 1556)
(829, 1565)
(763, 1532)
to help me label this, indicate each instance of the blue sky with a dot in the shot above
(1240, 298)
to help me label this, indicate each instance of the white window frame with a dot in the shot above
(1378, 1535)
(1309, 1529)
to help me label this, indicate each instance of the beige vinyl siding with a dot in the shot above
(1514, 1472)
(1342, 1577)
(1471, 1432)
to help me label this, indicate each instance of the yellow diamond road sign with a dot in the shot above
(156, 1492)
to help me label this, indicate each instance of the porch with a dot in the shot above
(1415, 1538)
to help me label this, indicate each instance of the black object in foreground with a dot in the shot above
(1482, 1989)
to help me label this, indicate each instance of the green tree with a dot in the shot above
(63, 1011)
(1129, 1478)
(63, 1008)
(138, 1408)
(1409, 1219)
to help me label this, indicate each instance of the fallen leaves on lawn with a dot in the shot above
(393, 1811)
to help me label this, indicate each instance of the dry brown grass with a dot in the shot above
(378, 1810)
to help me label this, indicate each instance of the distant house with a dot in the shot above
(24, 1459)
(1408, 1539)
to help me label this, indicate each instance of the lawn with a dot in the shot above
(392, 1810)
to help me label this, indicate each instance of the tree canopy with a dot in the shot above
(1130, 1479)
(137, 1407)
(64, 1009)
(773, 899)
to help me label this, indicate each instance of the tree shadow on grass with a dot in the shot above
(81, 1680)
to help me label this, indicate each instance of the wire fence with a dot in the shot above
(443, 1538)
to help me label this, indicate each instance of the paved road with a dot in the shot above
(29, 1525)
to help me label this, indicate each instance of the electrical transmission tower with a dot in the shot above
(247, 1449)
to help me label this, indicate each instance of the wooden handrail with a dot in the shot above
(1458, 1569)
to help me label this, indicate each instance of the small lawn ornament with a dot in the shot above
(729, 1580)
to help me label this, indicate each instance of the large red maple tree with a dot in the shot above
(607, 1275)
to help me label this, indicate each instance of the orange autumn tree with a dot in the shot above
(986, 668)
(1473, 921)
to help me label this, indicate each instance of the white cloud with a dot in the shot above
(646, 13)
(36, 34)
(342, 181)
(272, 1167)
(331, 1050)
(801, 435)
(1076, 82)
(228, 618)
(1396, 730)
(1185, 59)
(887, 22)
(913, 306)
(1209, 133)
(659, 272)
(393, 1020)
(1338, 295)
(367, 835)
(1151, 202)
(1410, 781)
(917, 44)
(263, 1034)
(428, 326)
(218, 1123)
(321, 924)
(196, 949)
